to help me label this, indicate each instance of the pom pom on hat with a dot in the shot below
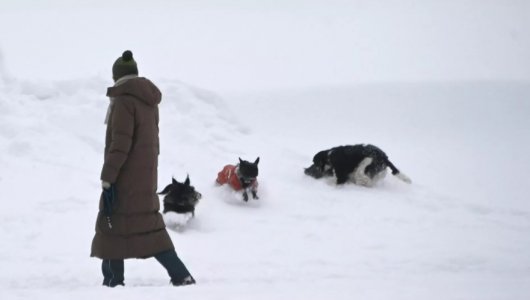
(127, 55)
(124, 65)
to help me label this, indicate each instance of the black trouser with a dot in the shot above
(113, 268)
(112, 272)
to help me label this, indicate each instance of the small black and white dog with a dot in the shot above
(363, 164)
(180, 197)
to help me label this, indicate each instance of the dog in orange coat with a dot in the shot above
(242, 176)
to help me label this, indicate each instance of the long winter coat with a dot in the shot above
(131, 162)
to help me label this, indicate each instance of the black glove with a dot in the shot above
(109, 198)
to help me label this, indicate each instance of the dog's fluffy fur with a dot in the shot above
(180, 197)
(362, 164)
(242, 176)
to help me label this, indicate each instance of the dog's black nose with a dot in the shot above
(313, 171)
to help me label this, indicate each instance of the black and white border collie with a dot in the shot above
(363, 164)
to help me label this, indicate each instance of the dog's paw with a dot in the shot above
(365, 181)
(245, 196)
(255, 196)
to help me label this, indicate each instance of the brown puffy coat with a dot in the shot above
(131, 162)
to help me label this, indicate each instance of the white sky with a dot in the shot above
(239, 45)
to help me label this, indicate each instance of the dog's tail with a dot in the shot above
(397, 173)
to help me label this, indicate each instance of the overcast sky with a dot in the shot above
(238, 45)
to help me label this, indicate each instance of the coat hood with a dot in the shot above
(140, 88)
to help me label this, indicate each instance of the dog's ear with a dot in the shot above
(320, 158)
(240, 160)
(165, 190)
(257, 161)
(187, 182)
(173, 181)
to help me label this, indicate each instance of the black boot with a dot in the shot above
(175, 268)
(112, 272)
(186, 281)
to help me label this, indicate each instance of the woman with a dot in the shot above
(129, 224)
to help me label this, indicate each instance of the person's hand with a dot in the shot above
(109, 198)
(105, 185)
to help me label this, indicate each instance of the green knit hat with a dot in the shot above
(124, 65)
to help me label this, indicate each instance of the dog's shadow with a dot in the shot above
(331, 181)
(235, 198)
(179, 222)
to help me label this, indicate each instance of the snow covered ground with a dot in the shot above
(459, 231)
